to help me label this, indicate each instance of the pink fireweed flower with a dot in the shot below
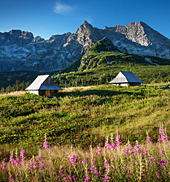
(163, 162)
(145, 152)
(136, 162)
(3, 165)
(60, 169)
(105, 163)
(150, 160)
(10, 176)
(162, 152)
(91, 160)
(10, 159)
(83, 162)
(106, 178)
(158, 175)
(164, 137)
(161, 131)
(94, 170)
(46, 145)
(137, 148)
(87, 178)
(117, 139)
(128, 151)
(73, 159)
(148, 140)
(99, 150)
(41, 168)
(22, 153)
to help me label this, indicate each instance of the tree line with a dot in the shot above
(16, 87)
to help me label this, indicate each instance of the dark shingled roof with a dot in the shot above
(126, 77)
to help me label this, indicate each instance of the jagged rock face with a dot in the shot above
(19, 50)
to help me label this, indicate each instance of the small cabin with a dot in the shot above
(43, 85)
(126, 78)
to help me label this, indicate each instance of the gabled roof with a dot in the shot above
(126, 77)
(37, 84)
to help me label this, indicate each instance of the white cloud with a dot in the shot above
(63, 9)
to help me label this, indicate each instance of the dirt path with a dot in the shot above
(16, 93)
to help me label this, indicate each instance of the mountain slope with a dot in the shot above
(19, 50)
(105, 53)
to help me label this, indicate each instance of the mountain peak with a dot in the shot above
(86, 23)
(84, 27)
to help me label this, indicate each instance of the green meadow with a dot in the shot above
(81, 131)
(83, 116)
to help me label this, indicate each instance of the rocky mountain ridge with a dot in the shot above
(20, 50)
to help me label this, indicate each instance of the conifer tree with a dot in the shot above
(17, 85)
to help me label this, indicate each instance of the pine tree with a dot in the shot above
(17, 85)
(23, 85)
(8, 89)
(2, 90)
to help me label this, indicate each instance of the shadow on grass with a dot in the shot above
(95, 92)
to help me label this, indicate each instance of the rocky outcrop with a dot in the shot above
(19, 50)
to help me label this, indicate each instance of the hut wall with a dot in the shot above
(134, 84)
(34, 92)
(124, 84)
(48, 93)
(42, 92)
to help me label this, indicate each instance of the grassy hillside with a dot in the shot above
(103, 61)
(99, 65)
(104, 74)
(83, 117)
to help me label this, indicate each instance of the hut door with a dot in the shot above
(47, 93)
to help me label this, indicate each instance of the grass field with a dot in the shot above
(82, 117)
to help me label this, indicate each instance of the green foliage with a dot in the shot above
(77, 117)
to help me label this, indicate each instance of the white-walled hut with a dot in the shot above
(126, 78)
(43, 85)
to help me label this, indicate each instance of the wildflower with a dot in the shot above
(162, 152)
(105, 163)
(22, 153)
(99, 151)
(92, 161)
(148, 140)
(163, 162)
(158, 175)
(41, 168)
(136, 162)
(145, 152)
(73, 159)
(164, 137)
(150, 160)
(106, 144)
(87, 178)
(3, 165)
(10, 159)
(161, 131)
(10, 177)
(117, 139)
(83, 162)
(61, 171)
(129, 150)
(106, 178)
(137, 148)
(46, 145)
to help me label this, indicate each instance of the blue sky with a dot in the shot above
(50, 17)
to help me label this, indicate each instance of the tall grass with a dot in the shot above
(113, 162)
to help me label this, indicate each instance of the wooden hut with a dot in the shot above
(43, 85)
(126, 78)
